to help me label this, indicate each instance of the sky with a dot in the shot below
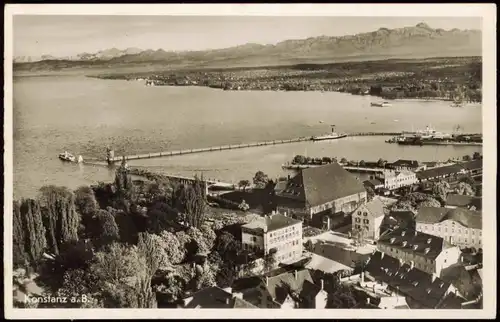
(64, 35)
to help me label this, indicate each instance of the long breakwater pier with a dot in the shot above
(235, 146)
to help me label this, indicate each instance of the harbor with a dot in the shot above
(111, 158)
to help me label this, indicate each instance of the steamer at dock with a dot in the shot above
(331, 136)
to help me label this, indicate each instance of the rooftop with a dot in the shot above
(272, 222)
(376, 207)
(465, 217)
(319, 185)
(428, 290)
(457, 200)
(215, 298)
(277, 285)
(450, 169)
(425, 245)
(405, 163)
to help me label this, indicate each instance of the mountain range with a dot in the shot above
(415, 41)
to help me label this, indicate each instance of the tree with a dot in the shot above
(326, 160)
(414, 201)
(243, 206)
(122, 275)
(343, 160)
(203, 238)
(466, 158)
(270, 260)
(19, 253)
(28, 233)
(476, 156)
(463, 188)
(78, 283)
(440, 190)
(243, 184)
(85, 202)
(150, 247)
(381, 163)
(191, 202)
(107, 230)
(299, 159)
(260, 179)
(309, 246)
(362, 163)
(161, 216)
(61, 220)
(172, 247)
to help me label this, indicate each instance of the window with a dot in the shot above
(366, 221)
(365, 214)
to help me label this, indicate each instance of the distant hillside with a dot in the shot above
(419, 41)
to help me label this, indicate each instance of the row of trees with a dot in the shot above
(260, 180)
(124, 244)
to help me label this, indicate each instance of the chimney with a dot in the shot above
(363, 277)
(382, 255)
(295, 273)
(267, 281)
(411, 264)
(322, 284)
(368, 300)
(401, 262)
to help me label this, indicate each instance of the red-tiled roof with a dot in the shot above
(319, 185)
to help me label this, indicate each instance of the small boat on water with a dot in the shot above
(67, 157)
(381, 104)
(330, 136)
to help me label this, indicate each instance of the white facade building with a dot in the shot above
(274, 232)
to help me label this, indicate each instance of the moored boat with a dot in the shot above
(381, 104)
(67, 157)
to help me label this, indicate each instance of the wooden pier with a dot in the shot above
(209, 149)
(237, 146)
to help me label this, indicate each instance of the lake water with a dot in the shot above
(84, 115)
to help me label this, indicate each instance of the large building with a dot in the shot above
(458, 226)
(275, 231)
(425, 252)
(473, 168)
(321, 195)
(421, 290)
(368, 218)
(393, 180)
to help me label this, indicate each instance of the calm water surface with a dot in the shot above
(84, 115)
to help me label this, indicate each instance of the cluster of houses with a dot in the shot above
(416, 260)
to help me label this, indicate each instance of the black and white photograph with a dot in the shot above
(322, 160)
